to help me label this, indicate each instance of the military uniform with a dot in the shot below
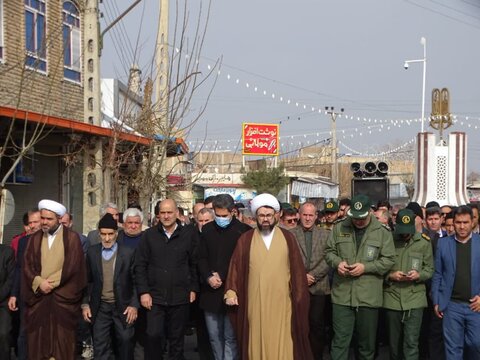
(404, 301)
(326, 226)
(356, 299)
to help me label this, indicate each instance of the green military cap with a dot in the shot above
(285, 205)
(405, 222)
(360, 207)
(331, 206)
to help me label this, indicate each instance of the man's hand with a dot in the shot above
(310, 279)
(146, 301)
(343, 269)
(131, 313)
(357, 269)
(193, 296)
(397, 276)
(46, 286)
(87, 314)
(12, 303)
(438, 313)
(475, 303)
(231, 301)
(413, 275)
(214, 281)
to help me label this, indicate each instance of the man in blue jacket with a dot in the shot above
(456, 287)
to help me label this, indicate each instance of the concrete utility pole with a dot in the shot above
(93, 182)
(334, 153)
(162, 64)
(96, 187)
(162, 87)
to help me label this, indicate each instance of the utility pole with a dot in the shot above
(162, 64)
(96, 186)
(162, 87)
(334, 154)
(93, 182)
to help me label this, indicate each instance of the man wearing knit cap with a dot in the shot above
(111, 301)
(52, 285)
(267, 289)
(417, 210)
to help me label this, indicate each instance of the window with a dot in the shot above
(1, 29)
(71, 42)
(35, 34)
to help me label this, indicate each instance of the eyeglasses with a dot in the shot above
(265, 216)
(292, 221)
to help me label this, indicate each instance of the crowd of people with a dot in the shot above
(262, 281)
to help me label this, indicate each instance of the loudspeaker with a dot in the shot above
(377, 189)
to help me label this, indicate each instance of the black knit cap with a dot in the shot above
(416, 208)
(107, 222)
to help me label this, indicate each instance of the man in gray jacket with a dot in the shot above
(312, 241)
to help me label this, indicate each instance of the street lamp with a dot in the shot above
(423, 41)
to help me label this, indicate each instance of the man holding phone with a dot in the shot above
(405, 296)
(361, 251)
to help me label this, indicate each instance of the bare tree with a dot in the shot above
(144, 169)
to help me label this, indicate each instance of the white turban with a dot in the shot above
(53, 206)
(264, 200)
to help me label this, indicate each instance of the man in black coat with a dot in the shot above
(7, 266)
(217, 242)
(111, 300)
(166, 277)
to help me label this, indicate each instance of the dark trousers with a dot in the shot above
(403, 333)
(106, 319)
(316, 318)
(436, 344)
(348, 320)
(22, 353)
(5, 329)
(166, 322)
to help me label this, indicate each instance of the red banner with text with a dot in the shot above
(260, 139)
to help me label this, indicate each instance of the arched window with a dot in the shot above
(35, 34)
(72, 42)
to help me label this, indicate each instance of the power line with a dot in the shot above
(442, 14)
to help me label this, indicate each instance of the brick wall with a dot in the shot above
(48, 93)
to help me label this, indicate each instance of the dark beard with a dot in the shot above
(265, 229)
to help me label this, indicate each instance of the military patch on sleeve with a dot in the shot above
(426, 237)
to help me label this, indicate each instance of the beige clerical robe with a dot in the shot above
(269, 305)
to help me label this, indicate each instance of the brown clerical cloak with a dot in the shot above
(51, 319)
(237, 281)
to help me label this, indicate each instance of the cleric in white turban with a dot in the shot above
(267, 284)
(53, 279)
(262, 200)
(52, 206)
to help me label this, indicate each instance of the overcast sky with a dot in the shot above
(344, 53)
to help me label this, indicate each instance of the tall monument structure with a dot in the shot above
(441, 168)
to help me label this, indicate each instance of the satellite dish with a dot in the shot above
(9, 206)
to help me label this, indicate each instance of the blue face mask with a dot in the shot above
(223, 222)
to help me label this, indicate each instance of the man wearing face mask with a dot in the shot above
(218, 240)
(405, 295)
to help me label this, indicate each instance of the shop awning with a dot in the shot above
(314, 188)
(80, 127)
